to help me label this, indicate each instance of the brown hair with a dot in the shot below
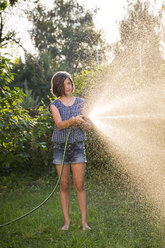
(57, 83)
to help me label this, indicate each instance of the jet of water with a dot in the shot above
(134, 125)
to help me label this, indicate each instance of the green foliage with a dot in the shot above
(7, 34)
(21, 137)
(15, 124)
(24, 141)
(68, 34)
(12, 2)
(81, 82)
(36, 73)
(29, 100)
(41, 151)
(3, 5)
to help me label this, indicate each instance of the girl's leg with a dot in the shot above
(78, 171)
(64, 194)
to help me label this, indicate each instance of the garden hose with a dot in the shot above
(42, 203)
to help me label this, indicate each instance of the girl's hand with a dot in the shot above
(79, 119)
(86, 125)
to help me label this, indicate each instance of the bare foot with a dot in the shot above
(86, 227)
(65, 227)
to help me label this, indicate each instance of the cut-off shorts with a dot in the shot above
(75, 153)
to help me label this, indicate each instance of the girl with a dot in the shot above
(69, 111)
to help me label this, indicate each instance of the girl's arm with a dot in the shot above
(64, 124)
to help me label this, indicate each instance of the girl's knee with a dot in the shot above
(79, 187)
(64, 186)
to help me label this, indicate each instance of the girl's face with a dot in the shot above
(68, 87)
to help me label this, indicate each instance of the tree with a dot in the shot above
(68, 33)
(140, 39)
(4, 3)
(7, 35)
(36, 73)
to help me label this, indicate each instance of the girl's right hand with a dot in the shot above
(79, 119)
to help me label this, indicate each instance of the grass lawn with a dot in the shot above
(118, 219)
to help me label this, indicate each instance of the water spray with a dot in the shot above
(132, 126)
(42, 203)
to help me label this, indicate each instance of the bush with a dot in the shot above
(41, 151)
(15, 123)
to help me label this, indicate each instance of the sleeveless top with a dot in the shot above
(67, 112)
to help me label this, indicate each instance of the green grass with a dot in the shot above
(118, 219)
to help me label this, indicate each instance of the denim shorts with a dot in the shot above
(75, 153)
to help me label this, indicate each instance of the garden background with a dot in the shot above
(65, 38)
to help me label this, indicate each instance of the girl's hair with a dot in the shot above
(57, 83)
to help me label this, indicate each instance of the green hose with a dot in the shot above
(42, 203)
